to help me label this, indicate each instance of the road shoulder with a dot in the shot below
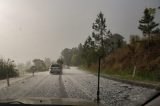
(132, 82)
(3, 83)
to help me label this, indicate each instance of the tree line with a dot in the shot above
(38, 64)
(8, 67)
(102, 43)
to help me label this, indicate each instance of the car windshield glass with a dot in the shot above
(79, 51)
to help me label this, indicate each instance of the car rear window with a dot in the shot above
(55, 65)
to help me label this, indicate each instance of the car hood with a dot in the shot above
(49, 101)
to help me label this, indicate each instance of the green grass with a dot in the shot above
(147, 76)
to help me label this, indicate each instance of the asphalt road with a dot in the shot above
(75, 83)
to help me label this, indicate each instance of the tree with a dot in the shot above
(100, 33)
(134, 39)
(147, 24)
(89, 43)
(156, 31)
(148, 27)
(60, 61)
(7, 67)
(80, 48)
(116, 41)
(47, 62)
(39, 64)
(78, 56)
(67, 55)
(74, 60)
(89, 53)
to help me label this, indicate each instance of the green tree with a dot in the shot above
(147, 24)
(79, 58)
(60, 61)
(100, 33)
(89, 54)
(74, 60)
(7, 67)
(67, 55)
(40, 65)
(148, 28)
(114, 42)
(77, 55)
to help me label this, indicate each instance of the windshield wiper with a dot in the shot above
(152, 98)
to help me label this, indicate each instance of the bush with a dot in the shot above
(7, 68)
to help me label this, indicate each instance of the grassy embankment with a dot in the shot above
(120, 64)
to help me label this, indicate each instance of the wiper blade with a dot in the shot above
(152, 98)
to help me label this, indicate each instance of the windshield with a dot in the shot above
(99, 51)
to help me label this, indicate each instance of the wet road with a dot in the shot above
(75, 83)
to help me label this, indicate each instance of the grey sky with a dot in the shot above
(43, 28)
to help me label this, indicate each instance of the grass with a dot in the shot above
(148, 77)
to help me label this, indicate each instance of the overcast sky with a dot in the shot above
(43, 28)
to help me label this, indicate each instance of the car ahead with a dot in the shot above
(55, 69)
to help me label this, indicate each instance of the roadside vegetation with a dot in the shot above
(37, 65)
(139, 59)
(7, 67)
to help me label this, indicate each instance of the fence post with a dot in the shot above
(134, 72)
